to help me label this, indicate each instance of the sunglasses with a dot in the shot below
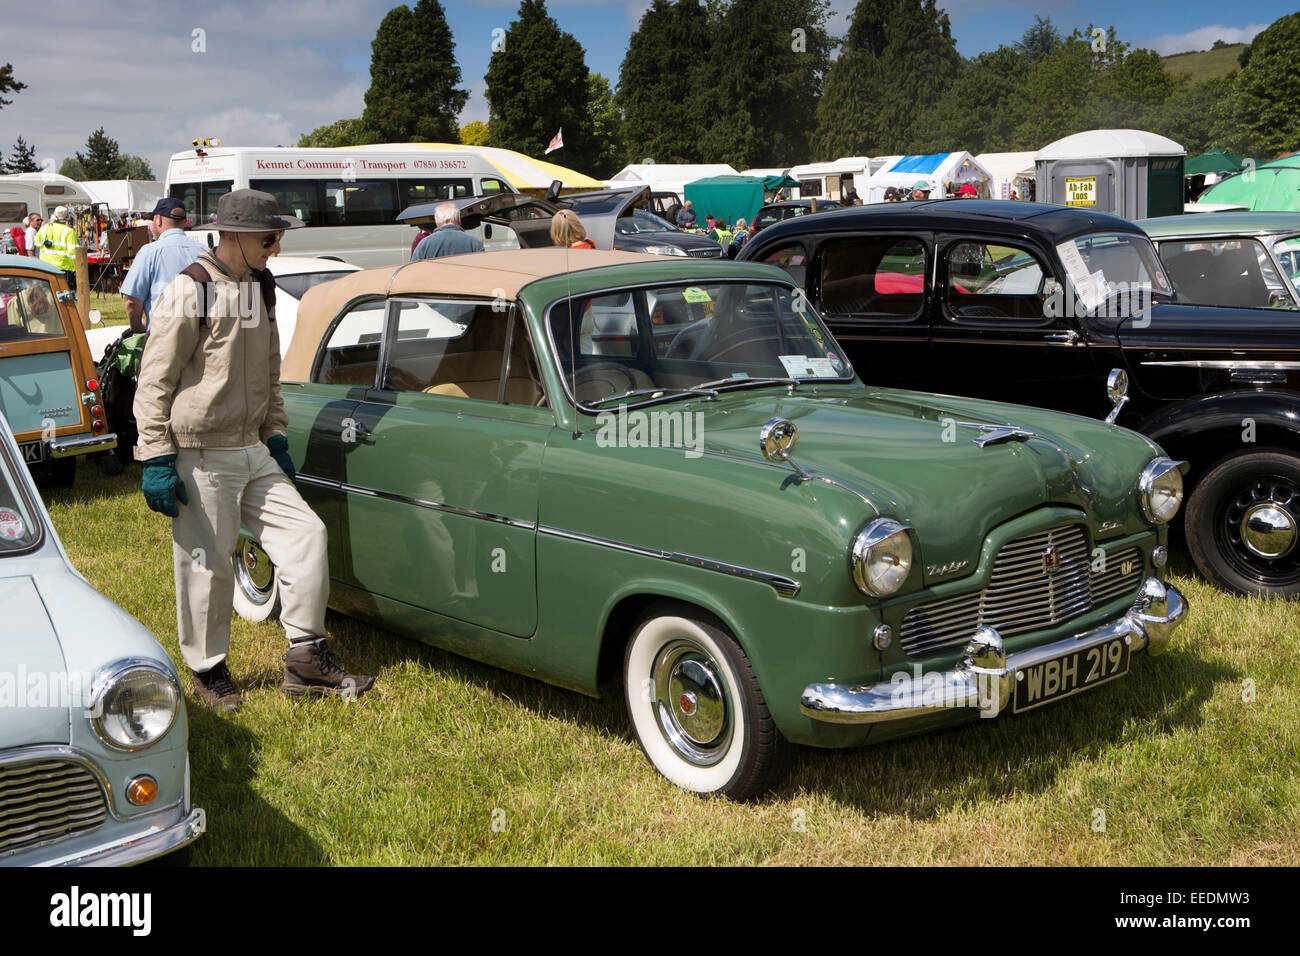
(272, 239)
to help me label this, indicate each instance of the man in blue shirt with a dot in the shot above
(449, 239)
(159, 262)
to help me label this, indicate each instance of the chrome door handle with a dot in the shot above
(1069, 337)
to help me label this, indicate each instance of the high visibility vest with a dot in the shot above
(63, 242)
(724, 236)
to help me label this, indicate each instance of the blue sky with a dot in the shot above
(264, 73)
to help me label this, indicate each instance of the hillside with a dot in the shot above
(1206, 63)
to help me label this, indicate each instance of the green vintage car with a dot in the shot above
(595, 467)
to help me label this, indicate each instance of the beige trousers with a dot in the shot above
(227, 486)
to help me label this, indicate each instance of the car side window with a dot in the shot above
(1225, 272)
(993, 282)
(28, 309)
(351, 352)
(457, 348)
(793, 258)
(873, 277)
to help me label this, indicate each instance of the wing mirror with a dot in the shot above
(1117, 392)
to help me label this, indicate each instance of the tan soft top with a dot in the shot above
(488, 274)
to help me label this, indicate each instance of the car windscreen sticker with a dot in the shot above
(694, 294)
(12, 527)
(837, 363)
(801, 366)
(1084, 285)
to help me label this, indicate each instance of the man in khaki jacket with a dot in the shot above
(212, 438)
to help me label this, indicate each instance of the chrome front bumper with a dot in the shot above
(63, 448)
(984, 679)
(142, 847)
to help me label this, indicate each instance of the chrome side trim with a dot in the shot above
(1231, 364)
(786, 587)
(418, 502)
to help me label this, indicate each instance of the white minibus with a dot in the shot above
(349, 197)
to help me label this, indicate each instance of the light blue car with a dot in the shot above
(94, 765)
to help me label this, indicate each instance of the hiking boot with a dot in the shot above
(311, 669)
(216, 688)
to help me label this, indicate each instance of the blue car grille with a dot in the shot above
(45, 800)
(1021, 596)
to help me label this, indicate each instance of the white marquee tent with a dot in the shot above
(935, 168)
(1009, 171)
(668, 177)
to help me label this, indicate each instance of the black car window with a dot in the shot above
(766, 218)
(873, 276)
(990, 281)
(793, 258)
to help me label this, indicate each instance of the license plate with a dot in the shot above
(33, 451)
(1070, 673)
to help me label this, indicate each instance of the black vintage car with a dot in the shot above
(1073, 310)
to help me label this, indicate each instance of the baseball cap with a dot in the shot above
(922, 184)
(169, 208)
(60, 213)
(967, 189)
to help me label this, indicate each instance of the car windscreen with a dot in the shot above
(662, 341)
(20, 524)
(297, 285)
(28, 309)
(1288, 254)
(1109, 267)
(641, 222)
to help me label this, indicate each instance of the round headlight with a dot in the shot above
(881, 557)
(133, 704)
(1160, 490)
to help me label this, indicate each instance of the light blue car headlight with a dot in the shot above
(133, 703)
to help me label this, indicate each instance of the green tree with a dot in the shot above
(760, 85)
(22, 160)
(537, 85)
(606, 128)
(1039, 41)
(413, 95)
(976, 111)
(1200, 116)
(897, 61)
(133, 167)
(72, 168)
(101, 159)
(1268, 87)
(475, 133)
(8, 84)
(344, 132)
(656, 90)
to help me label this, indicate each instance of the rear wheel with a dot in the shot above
(257, 583)
(1243, 523)
(697, 709)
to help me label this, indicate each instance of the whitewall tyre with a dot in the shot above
(257, 583)
(697, 709)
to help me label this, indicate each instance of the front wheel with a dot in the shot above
(697, 709)
(257, 583)
(1243, 524)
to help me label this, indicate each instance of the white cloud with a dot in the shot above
(1203, 38)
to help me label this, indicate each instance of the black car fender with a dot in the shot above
(1207, 428)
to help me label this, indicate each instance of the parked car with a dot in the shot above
(776, 212)
(94, 766)
(1244, 260)
(760, 548)
(1048, 305)
(49, 388)
(613, 218)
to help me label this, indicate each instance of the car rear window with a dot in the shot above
(297, 285)
(28, 309)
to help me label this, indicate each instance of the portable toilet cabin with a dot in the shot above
(1128, 172)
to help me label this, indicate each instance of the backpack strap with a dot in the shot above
(268, 291)
(203, 279)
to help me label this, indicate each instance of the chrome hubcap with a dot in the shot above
(1268, 530)
(254, 572)
(691, 702)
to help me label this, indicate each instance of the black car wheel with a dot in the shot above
(1243, 523)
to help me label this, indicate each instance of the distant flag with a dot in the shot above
(557, 142)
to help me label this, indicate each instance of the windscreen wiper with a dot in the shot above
(665, 392)
(750, 382)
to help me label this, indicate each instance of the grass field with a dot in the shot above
(1205, 64)
(451, 762)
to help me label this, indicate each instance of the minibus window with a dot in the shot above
(361, 203)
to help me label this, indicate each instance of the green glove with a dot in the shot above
(162, 487)
(278, 446)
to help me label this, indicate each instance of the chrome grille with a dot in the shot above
(705, 253)
(1020, 595)
(44, 800)
(1122, 576)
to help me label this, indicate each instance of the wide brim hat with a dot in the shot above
(251, 210)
